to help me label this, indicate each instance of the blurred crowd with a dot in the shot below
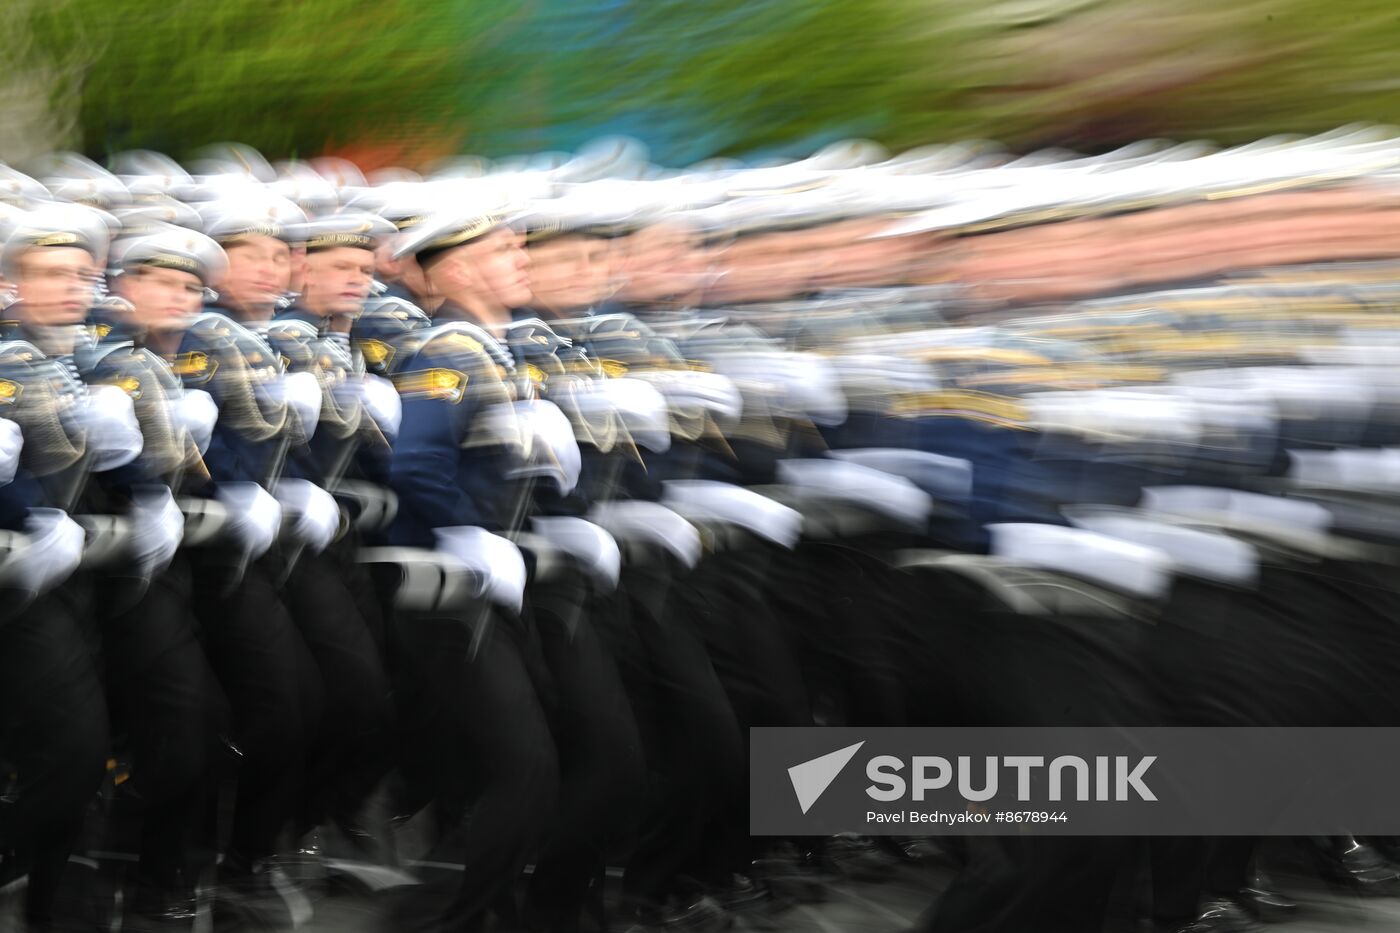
(500, 500)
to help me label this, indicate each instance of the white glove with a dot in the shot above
(883, 493)
(687, 392)
(113, 433)
(157, 528)
(637, 404)
(499, 424)
(814, 389)
(1206, 554)
(496, 561)
(1216, 504)
(196, 413)
(382, 401)
(315, 514)
(944, 478)
(11, 443)
(650, 522)
(1113, 562)
(792, 383)
(549, 443)
(1121, 413)
(254, 516)
(302, 393)
(53, 551)
(706, 500)
(592, 547)
(1375, 470)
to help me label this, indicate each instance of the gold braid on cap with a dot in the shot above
(59, 238)
(171, 261)
(332, 240)
(545, 230)
(464, 234)
(260, 229)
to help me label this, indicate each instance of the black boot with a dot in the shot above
(1221, 915)
(1265, 904)
(1347, 863)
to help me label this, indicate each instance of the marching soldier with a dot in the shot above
(328, 592)
(53, 715)
(262, 661)
(477, 266)
(468, 671)
(550, 656)
(405, 205)
(175, 712)
(572, 266)
(262, 254)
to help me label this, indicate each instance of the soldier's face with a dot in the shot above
(55, 283)
(663, 262)
(570, 272)
(494, 267)
(163, 299)
(338, 280)
(259, 272)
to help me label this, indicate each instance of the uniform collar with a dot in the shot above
(236, 315)
(228, 311)
(298, 312)
(108, 327)
(530, 314)
(11, 327)
(398, 290)
(14, 327)
(449, 312)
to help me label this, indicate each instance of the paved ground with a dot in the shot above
(877, 908)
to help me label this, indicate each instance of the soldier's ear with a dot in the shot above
(458, 271)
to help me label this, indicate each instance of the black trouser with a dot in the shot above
(1314, 644)
(53, 734)
(693, 746)
(756, 659)
(1211, 655)
(373, 598)
(488, 743)
(273, 689)
(165, 694)
(351, 748)
(600, 751)
(1057, 669)
(728, 595)
(837, 606)
(1333, 658)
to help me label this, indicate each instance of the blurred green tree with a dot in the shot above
(1103, 72)
(777, 76)
(1083, 73)
(287, 77)
(694, 78)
